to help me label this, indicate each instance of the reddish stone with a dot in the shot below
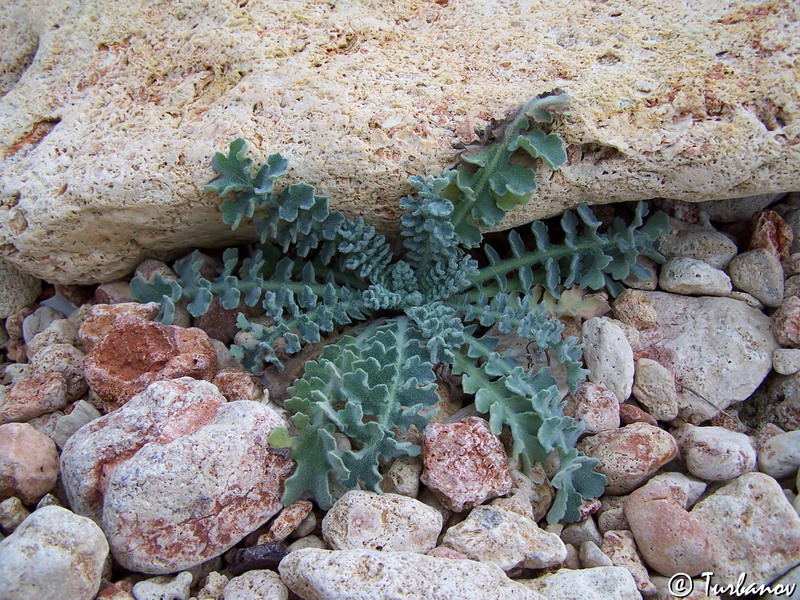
(236, 384)
(220, 323)
(103, 319)
(30, 398)
(177, 475)
(670, 539)
(770, 231)
(28, 463)
(286, 522)
(464, 463)
(628, 413)
(138, 352)
(630, 454)
(594, 406)
(786, 322)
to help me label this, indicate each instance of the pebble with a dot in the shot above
(654, 388)
(505, 538)
(177, 475)
(635, 309)
(12, 514)
(28, 463)
(164, 588)
(731, 210)
(261, 556)
(754, 527)
(759, 273)
(403, 476)
(306, 527)
(598, 583)
(620, 547)
(630, 454)
(309, 541)
(30, 398)
(630, 413)
(286, 522)
(373, 575)
(594, 406)
(591, 556)
(137, 352)
(213, 584)
(772, 233)
(669, 538)
(60, 331)
(66, 425)
(786, 322)
(256, 585)
(608, 356)
(391, 522)
(786, 361)
(693, 277)
(580, 532)
(39, 320)
(717, 454)
(701, 243)
(718, 349)
(65, 359)
(690, 488)
(779, 456)
(791, 287)
(114, 292)
(464, 463)
(17, 289)
(53, 555)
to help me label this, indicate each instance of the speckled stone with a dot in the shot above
(177, 475)
(316, 574)
(369, 521)
(28, 462)
(464, 463)
(17, 289)
(630, 454)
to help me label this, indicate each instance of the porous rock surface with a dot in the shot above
(110, 113)
(315, 574)
(718, 349)
(136, 352)
(176, 476)
(53, 555)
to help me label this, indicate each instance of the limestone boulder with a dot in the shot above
(718, 349)
(109, 114)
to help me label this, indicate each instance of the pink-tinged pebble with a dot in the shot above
(669, 538)
(103, 319)
(786, 322)
(770, 231)
(628, 413)
(630, 454)
(35, 396)
(28, 463)
(620, 547)
(594, 406)
(286, 522)
(464, 463)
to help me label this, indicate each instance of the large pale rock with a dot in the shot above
(753, 528)
(53, 555)
(505, 538)
(316, 574)
(718, 349)
(599, 583)
(176, 476)
(366, 520)
(111, 112)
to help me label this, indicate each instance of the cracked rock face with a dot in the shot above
(109, 114)
(176, 476)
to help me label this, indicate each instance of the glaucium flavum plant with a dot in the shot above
(315, 270)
